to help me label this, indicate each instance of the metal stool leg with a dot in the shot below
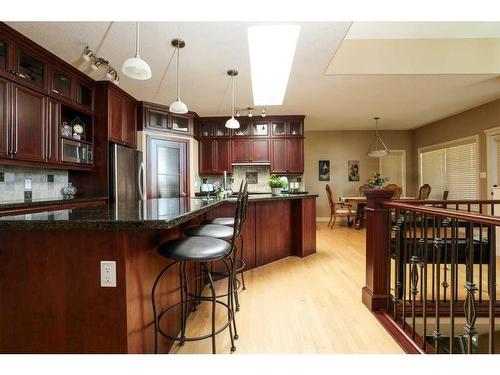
(230, 311)
(184, 297)
(155, 316)
(214, 298)
(241, 258)
(230, 293)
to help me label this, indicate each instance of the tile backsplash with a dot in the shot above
(257, 176)
(13, 184)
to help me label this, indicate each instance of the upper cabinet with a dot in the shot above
(4, 55)
(121, 113)
(287, 128)
(71, 89)
(30, 67)
(157, 117)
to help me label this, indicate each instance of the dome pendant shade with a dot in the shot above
(135, 67)
(178, 106)
(232, 123)
(378, 148)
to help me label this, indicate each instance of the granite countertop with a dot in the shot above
(45, 201)
(163, 213)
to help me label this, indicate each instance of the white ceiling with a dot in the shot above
(330, 102)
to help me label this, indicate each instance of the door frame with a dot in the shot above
(186, 177)
(491, 169)
(403, 172)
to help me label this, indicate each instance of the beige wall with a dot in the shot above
(465, 124)
(341, 146)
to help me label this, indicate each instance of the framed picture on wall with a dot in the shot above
(324, 170)
(353, 170)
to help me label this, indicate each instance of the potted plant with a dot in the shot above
(377, 181)
(276, 184)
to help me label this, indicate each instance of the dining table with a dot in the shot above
(360, 202)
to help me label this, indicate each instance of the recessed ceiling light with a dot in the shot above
(271, 55)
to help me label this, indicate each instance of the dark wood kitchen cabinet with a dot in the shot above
(214, 156)
(122, 115)
(251, 150)
(30, 67)
(69, 88)
(28, 124)
(5, 52)
(157, 117)
(4, 118)
(53, 124)
(287, 156)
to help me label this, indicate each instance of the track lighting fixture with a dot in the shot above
(97, 62)
(250, 114)
(263, 112)
(237, 113)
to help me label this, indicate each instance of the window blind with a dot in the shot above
(497, 142)
(452, 168)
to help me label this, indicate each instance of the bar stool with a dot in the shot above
(202, 251)
(223, 232)
(229, 221)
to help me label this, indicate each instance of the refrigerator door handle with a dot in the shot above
(140, 179)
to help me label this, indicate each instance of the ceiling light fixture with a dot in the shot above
(178, 106)
(378, 148)
(232, 123)
(271, 51)
(135, 67)
(87, 54)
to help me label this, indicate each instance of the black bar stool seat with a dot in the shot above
(210, 230)
(195, 249)
(228, 221)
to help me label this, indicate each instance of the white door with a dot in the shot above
(394, 167)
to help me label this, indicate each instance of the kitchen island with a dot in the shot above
(50, 292)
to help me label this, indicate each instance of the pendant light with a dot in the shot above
(378, 148)
(135, 67)
(232, 123)
(178, 106)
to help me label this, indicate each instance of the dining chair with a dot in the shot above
(363, 188)
(398, 190)
(337, 208)
(424, 192)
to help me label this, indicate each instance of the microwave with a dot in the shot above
(76, 152)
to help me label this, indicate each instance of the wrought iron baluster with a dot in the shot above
(437, 332)
(414, 290)
(397, 263)
(403, 276)
(445, 262)
(481, 262)
(424, 277)
(492, 286)
(470, 302)
(433, 259)
(453, 253)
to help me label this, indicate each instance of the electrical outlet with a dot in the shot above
(108, 274)
(50, 178)
(27, 184)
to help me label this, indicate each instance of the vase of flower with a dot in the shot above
(377, 181)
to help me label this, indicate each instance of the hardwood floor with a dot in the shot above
(294, 306)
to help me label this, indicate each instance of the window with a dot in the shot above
(452, 167)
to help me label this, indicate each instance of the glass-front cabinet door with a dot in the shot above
(206, 130)
(83, 95)
(61, 84)
(31, 68)
(278, 128)
(260, 128)
(3, 54)
(296, 128)
(180, 124)
(221, 130)
(243, 130)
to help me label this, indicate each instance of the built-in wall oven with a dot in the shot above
(76, 152)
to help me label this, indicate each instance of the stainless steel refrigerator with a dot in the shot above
(127, 174)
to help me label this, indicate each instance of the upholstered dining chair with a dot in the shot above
(337, 208)
(424, 192)
(398, 190)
